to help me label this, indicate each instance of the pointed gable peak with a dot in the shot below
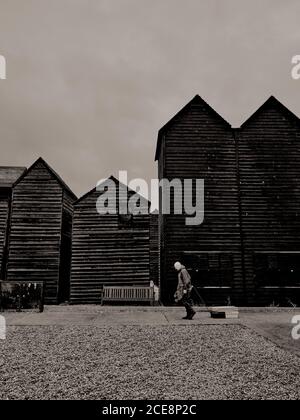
(103, 182)
(271, 102)
(113, 178)
(197, 100)
(40, 161)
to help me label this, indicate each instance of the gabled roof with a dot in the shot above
(270, 103)
(197, 100)
(52, 172)
(9, 175)
(116, 182)
(93, 190)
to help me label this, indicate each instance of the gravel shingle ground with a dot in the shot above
(132, 362)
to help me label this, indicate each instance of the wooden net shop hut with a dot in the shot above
(40, 231)
(110, 249)
(246, 251)
(269, 172)
(199, 144)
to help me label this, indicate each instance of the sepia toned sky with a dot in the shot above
(90, 82)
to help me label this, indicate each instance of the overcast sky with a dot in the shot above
(90, 82)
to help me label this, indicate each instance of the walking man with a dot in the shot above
(184, 289)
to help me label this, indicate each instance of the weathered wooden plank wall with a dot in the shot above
(8, 176)
(252, 201)
(105, 252)
(37, 223)
(154, 249)
(269, 150)
(66, 246)
(4, 215)
(199, 144)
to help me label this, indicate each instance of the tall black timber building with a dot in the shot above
(247, 250)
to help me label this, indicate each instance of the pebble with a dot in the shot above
(130, 362)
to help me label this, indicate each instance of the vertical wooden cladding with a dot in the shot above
(8, 176)
(154, 249)
(107, 250)
(4, 215)
(40, 225)
(199, 144)
(269, 150)
(251, 231)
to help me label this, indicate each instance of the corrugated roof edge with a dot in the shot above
(9, 184)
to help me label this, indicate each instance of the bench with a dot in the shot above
(127, 294)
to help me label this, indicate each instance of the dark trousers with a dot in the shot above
(188, 303)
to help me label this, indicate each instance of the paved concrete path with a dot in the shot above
(276, 327)
(95, 315)
(274, 324)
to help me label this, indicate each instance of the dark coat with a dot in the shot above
(184, 284)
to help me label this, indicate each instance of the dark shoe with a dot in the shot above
(185, 317)
(191, 316)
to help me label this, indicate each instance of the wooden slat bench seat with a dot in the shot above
(127, 294)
